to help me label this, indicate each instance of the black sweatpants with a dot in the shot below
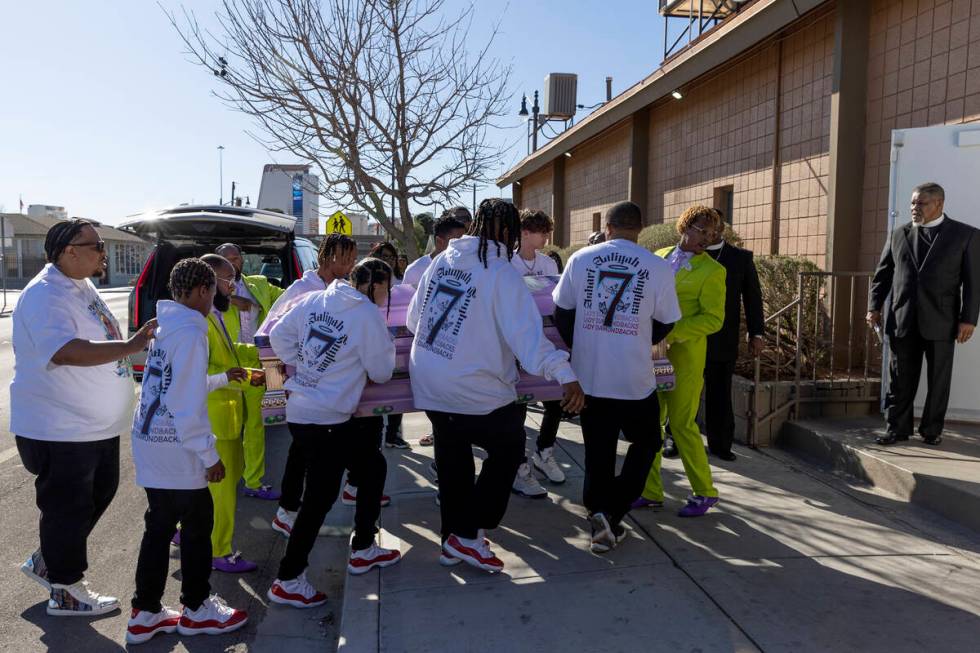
(550, 421)
(326, 451)
(195, 512)
(468, 506)
(75, 483)
(904, 368)
(719, 418)
(602, 421)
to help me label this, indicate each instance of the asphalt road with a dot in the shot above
(113, 548)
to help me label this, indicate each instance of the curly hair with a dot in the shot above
(335, 244)
(696, 212)
(536, 221)
(493, 218)
(189, 274)
(372, 271)
(380, 247)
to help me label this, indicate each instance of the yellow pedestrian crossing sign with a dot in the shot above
(338, 223)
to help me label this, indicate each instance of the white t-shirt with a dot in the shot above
(617, 288)
(415, 270)
(66, 403)
(543, 265)
(248, 320)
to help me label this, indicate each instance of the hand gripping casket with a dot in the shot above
(395, 396)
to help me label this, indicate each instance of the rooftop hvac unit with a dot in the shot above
(560, 95)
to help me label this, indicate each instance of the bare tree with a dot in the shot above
(384, 97)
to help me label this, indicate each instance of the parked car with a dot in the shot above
(266, 238)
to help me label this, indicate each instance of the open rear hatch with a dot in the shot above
(208, 224)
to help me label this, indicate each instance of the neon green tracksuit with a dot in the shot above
(701, 294)
(266, 295)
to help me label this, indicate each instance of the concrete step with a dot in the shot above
(943, 479)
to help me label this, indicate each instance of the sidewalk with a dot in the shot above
(791, 560)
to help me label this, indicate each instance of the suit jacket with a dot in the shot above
(934, 295)
(741, 287)
(701, 295)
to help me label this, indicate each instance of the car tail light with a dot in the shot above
(296, 265)
(134, 318)
(139, 368)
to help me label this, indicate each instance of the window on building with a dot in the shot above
(724, 200)
(127, 258)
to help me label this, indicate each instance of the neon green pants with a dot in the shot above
(225, 496)
(254, 438)
(680, 405)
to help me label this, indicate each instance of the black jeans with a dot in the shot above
(904, 368)
(602, 421)
(195, 512)
(293, 478)
(719, 418)
(75, 483)
(373, 427)
(326, 451)
(394, 423)
(550, 422)
(468, 506)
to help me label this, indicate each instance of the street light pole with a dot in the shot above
(221, 175)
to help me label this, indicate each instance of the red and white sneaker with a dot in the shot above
(212, 618)
(473, 552)
(349, 496)
(296, 592)
(143, 624)
(367, 559)
(284, 521)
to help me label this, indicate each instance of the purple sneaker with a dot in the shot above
(263, 492)
(642, 502)
(697, 506)
(233, 564)
(175, 540)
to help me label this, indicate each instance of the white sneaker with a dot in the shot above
(212, 618)
(296, 592)
(35, 569)
(77, 600)
(473, 552)
(367, 559)
(286, 519)
(545, 462)
(143, 625)
(603, 539)
(526, 485)
(349, 496)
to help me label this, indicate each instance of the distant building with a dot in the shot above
(46, 211)
(23, 249)
(293, 190)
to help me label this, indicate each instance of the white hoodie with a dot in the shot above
(336, 339)
(470, 323)
(172, 440)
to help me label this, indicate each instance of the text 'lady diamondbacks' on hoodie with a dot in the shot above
(336, 339)
(172, 440)
(470, 323)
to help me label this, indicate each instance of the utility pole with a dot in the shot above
(221, 175)
(474, 200)
(233, 193)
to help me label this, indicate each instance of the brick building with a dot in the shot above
(785, 118)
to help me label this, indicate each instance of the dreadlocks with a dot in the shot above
(188, 274)
(60, 236)
(333, 245)
(499, 221)
(372, 271)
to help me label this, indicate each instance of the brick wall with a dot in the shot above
(536, 190)
(923, 70)
(596, 177)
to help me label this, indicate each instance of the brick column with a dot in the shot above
(560, 237)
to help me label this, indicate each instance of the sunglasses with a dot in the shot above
(99, 245)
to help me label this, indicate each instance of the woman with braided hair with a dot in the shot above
(71, 397)
(472, 317)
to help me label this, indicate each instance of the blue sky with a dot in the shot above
(101, 111)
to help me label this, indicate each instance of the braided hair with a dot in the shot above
(372, 271)
(188, 274)
(334, 245)
(60, 236)
(493, 218)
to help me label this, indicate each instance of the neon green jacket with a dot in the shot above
(701, 295)
(226, 406)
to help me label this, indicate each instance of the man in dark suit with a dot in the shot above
(931, 269)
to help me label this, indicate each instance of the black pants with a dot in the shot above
(326, 451)
(719, 419)
(75, 483)
(293, 478)
(550, 422)
(602, 421)
(468, 506)
(904, 369)
(195, 512)
(373, 427)
(394, 423)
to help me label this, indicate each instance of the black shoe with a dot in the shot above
(890, 438)
(725, 455)
(933, 440)
(397, 442)
(670, 449)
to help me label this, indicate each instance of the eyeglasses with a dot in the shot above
(99, 245)
(229, 283)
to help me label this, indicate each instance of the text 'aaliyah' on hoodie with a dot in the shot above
(337, 340)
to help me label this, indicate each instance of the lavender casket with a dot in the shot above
(395, 396)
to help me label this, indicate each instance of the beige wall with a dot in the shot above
(923, 70)
(536, 191)
(596, 177)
